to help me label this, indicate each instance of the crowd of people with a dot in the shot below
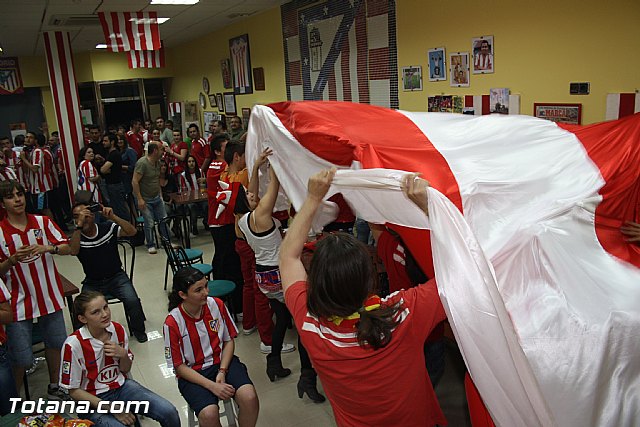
(355, 333)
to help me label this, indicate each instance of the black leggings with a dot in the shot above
(283, 317)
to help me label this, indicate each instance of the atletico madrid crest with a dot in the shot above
(10, 79)
(213, 325)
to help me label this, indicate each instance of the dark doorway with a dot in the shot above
(122, 112)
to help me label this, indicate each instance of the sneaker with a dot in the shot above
(141, 336)
(56, 392)
(249, 331)
(152, 250)
(286, 348)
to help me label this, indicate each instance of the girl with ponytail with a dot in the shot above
(359, 343)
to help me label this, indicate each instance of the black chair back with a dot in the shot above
(127, 256)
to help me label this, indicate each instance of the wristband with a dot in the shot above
(223, 370)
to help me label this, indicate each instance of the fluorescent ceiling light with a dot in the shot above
(101, 46)
(175, 2)
(148, 20)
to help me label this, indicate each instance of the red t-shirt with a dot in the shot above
(201, 150)
(392, 253)
(177, 166)
(367, 387)
(136, 141)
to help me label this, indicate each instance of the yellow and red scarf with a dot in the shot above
(371, 303)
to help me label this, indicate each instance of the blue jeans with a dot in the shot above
(152, 212)
(120, 286)
(20, 337)
(7, 383)
(117, 200)
(160, 409)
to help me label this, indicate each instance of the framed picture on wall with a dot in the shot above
(241, 64)
(213, 101)
(437, 65)
(482, 48)
(459, 69)
(559, 113)
(412, 78)
(219, 101)
(225, 71)
(230, 103)
(258, 78)
(246, 113)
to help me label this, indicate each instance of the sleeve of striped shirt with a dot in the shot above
(172, 343)
(231, 331)
(55, 236)
(37, 157)
(71, 367)
(121, 332)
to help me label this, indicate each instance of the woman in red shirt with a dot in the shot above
(360, 344)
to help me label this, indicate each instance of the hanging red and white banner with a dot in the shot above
(146, 58)
(622, 104)
(174, 108)
(66, 101)
(10, 79)
(125, 31)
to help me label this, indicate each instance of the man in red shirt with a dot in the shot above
(135, 138)
(27, 245)
(200, 148)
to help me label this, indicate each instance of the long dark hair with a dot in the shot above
(341, 277)
(186, 166)
(182, 281)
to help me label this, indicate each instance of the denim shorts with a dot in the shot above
(20, 337)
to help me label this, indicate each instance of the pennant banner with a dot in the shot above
(622, 104)
(146, 58)
(125, 31)
(10, 79)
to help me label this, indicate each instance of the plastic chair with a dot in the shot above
(179, 257)
(128, 259)
(223, 289)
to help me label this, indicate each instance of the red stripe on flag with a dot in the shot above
(361, 43)
(117, 34)
(377, 7)
(346, 74)
(155, 35)
(627, 104)
(290, 23)
(295, 73)
(486, 108)
(140, 28)
(333, 94)
(379, 64)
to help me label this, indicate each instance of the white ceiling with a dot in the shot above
(23, 21)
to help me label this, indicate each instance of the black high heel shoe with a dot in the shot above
(307, 384)
(275, 368)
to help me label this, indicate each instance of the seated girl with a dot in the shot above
(198, 336)
(95, 362)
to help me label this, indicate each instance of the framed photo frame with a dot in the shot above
(230, 103)
(246, 114)
(258, 78)
(482, 48)
(412, 78)
(241, 64)
(225, 71)
(219, 101)
(459, 69)
(559, 112)
(205, 85)
(212, 101)
(437, 64)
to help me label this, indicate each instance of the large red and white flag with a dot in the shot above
(540, 287)
(125, 31)
(147, 58)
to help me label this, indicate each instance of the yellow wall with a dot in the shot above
(201, 58)
(540, 47)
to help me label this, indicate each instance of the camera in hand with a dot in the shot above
(95, 207)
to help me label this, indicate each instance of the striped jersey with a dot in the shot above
(86, 170)
(197, 342)
(201, 150)
(5, 296)
(42, 179)
(6, 173)
(188, 181)
(84, 364)
(36, 289)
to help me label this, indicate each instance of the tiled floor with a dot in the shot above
(279, 403)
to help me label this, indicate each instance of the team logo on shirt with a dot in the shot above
(213, 325)
(37, 233)
(108, 374)
(167, 352)
(66, 368)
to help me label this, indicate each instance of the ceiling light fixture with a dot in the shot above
(101, 46)
(175, 2)
(138, 21)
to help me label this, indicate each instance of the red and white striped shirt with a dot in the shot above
(197, 342)
(36, 289)
(188, 181)
(201, 150)
(84, 364)
(86, 170)
(14, 162)
(42, 179)
(6, 173)
(136, 141)
(5, 296)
